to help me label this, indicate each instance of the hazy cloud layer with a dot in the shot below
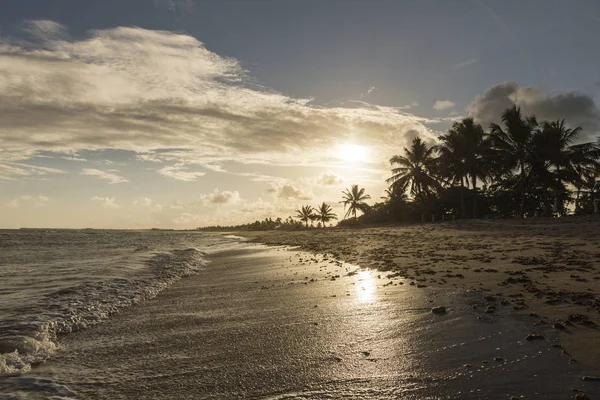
(137, 89)
(180, 173)
(108, 202)
(109, 176)
(27, 200)
(579, 109)
(12, 170)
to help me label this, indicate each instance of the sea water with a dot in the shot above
(53, 282)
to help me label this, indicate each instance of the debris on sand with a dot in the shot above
(534, 336)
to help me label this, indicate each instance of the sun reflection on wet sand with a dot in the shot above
(365, 286)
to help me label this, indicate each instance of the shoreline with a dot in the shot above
(264, 322)
(547, 269)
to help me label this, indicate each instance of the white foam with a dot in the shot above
(32, 338)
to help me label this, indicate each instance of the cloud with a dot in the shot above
(225, 197)
(108, 202)
(371, 90)
(111, 177)
(13, 170)
(28, 199)
(443, 105)
(142, 201)
(288, 191)
(143, 90)
(466, 63)
(329, 179)
(579, 109)
(179, 173)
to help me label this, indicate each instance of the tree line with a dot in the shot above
(520, 167)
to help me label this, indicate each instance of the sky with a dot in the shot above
(183, 113)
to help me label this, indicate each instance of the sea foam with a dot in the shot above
(31, 338)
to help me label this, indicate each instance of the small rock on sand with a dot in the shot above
(591, 378)
(534, 336)
(439, 310)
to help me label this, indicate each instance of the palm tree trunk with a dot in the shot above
(474, 181)
(523, 189)
(463, 208)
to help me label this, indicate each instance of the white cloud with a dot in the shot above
(14, 203)
(28, 199)
(443, 105)
(13, 170)
(466, 63)
(108, 202)
(179, 173)
(329, 179)
(111, 177)
(288, 191)
(142, 201)
(142, 90)
(225, 197)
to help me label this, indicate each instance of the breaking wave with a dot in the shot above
(32, 338)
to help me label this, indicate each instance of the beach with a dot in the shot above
(548, 269)
(280, 322)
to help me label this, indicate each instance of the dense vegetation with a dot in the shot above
(518, 168)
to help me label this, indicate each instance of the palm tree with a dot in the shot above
(556, 145)
(305, 214)
(355, 198)
(463, 152)
(512, 146)
(586, 162)
(416, 170)
(324, 214)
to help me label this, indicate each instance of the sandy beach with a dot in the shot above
(546, 269)
(277, 323)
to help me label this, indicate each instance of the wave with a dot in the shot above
(30, 340)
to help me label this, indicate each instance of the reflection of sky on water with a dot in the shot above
(365, 286)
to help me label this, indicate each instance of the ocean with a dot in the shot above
(54, 282)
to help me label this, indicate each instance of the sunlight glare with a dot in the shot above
(365, 286)
(352, 152)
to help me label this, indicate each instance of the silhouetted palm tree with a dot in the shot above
(324, 214)
(415, 170)
(305, 214)
(513, 145)
(464, 152)
(354, 199)
(555, 143)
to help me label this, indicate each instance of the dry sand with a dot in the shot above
(548, 269)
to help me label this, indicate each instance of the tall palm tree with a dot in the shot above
(556, 145)
(354, 199)
(305, 214)
(586, 162)
(324, 214)
(512, 146)
(415, 170)
(464, 153)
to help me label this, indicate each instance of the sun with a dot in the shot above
(352, 152)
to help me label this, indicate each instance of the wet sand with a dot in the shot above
(271, 323)
(548, 268)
